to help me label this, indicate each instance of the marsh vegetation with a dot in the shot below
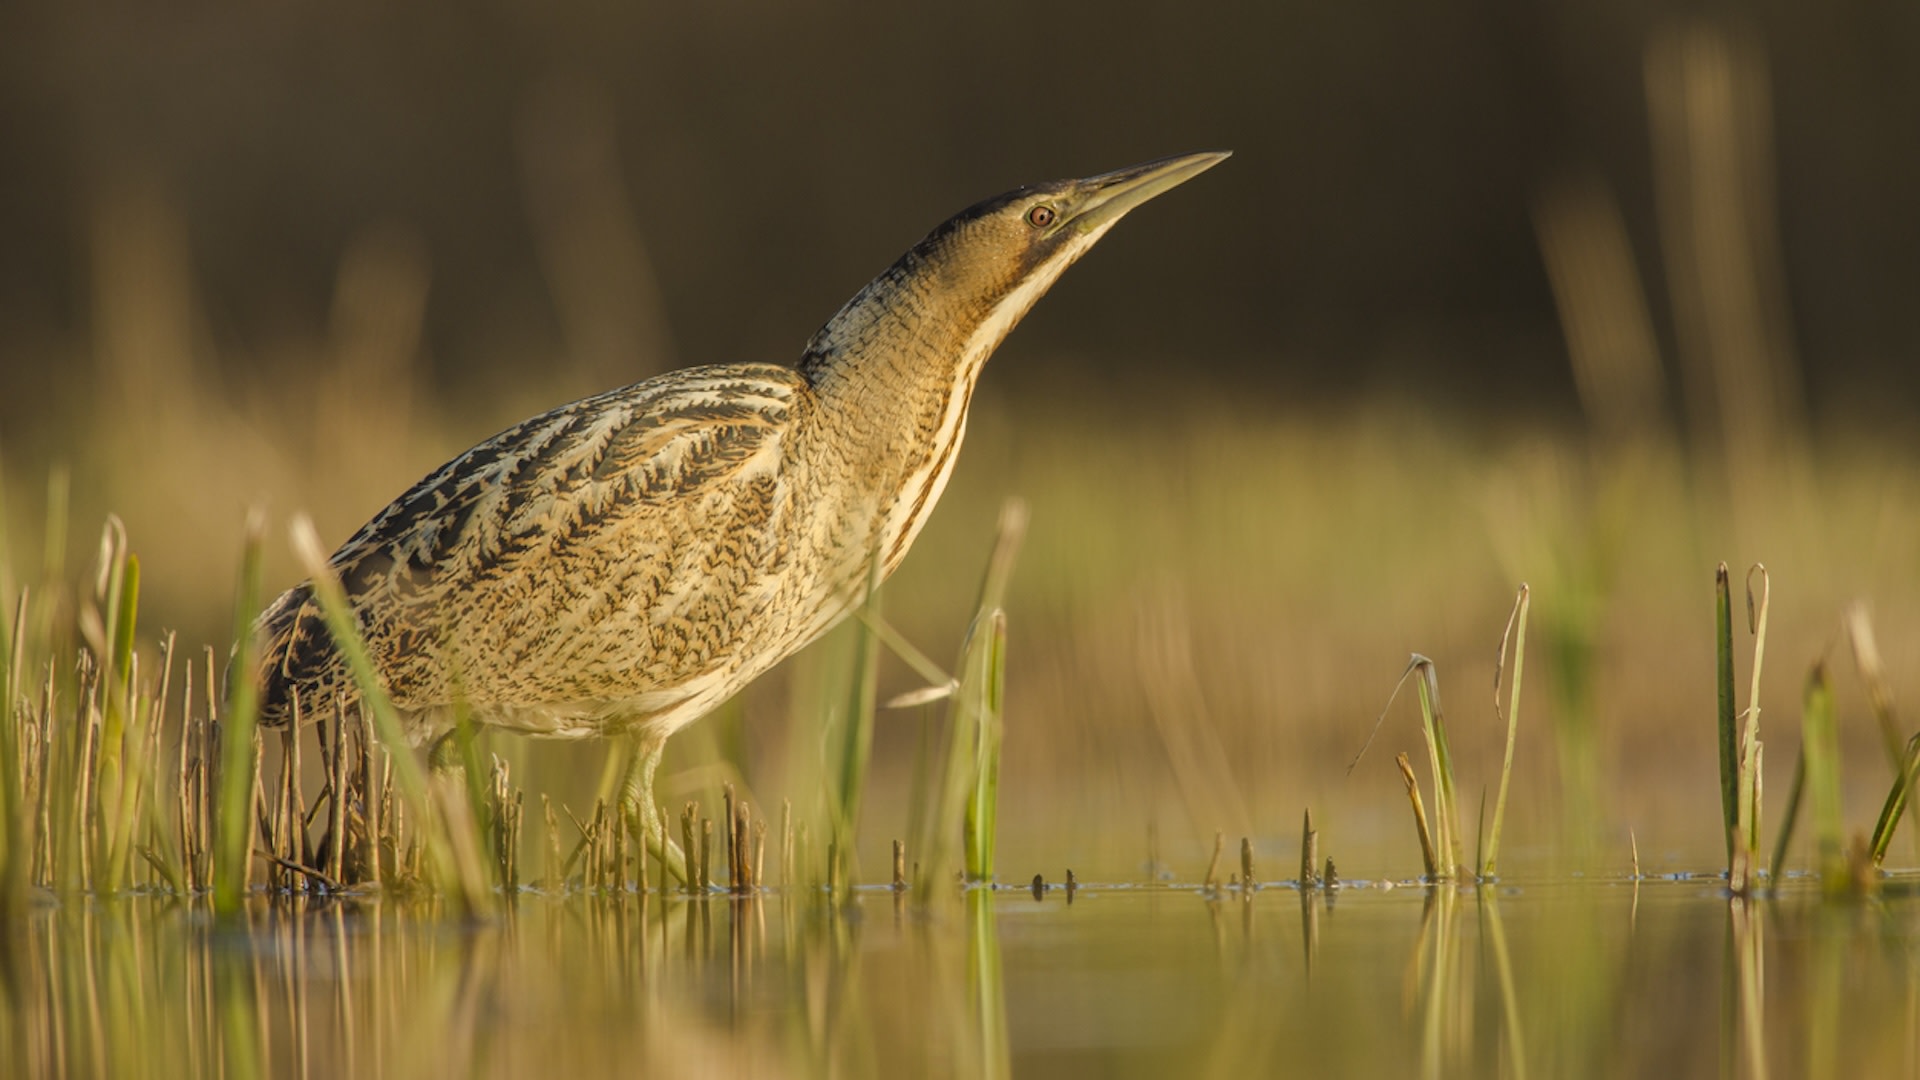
(1115, 782)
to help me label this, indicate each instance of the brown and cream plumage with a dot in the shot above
(627, 562)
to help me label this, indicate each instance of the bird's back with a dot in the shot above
(633, 557)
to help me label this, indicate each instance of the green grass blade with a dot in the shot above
(1896, 804)
(986, 696)
(234, 825)
(1905, 762)
(1516, 632)
(1744, 838)
(944, 820)
(1724, 714)
(1789, 817)
(1427, 856)
(1440, 758)
(1821, 747)
(118, 787)
(856, 733)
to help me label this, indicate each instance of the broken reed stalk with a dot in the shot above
(743, 849)
(1427, 856)
(183, 784)
(556, 876)
(729, 851)
(759, 851)
(336, 765)
(297, 806)
(1212, 880)
(375, 796)
(899, 866)
(663, 877)
(706, 854)
(283, 811)
(1246, 864)
(786, 844)
(689, 816)
(1516, 633)
(508, 811)
(1309, 851)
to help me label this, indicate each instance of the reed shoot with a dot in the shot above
(1516, 633)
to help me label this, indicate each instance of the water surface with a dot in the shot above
(1569, 978)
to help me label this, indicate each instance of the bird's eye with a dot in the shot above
(1040, 216)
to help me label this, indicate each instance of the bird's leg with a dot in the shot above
(641, 813)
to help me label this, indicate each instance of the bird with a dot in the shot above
(623, 564)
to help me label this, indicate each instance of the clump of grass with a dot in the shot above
(1904, 758)
(1440, 843)
(81, 751)
(1446, 819)
(1844, 868)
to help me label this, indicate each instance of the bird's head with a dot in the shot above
(981, 270)
(1024, 240)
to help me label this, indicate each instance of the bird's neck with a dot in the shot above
(894, 372)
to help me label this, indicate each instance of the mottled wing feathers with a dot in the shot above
(564, 559)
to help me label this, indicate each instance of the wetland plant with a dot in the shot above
(1739, 733)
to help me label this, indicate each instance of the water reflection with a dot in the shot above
(1560, 980)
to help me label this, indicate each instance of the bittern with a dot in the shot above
(625, 563)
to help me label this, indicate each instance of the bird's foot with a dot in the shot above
(642, 814)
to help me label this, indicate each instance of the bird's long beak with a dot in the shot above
(1110, 195)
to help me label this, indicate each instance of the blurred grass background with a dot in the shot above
(1590, 296)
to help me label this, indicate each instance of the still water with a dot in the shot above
(1666, 977)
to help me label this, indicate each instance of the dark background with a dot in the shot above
(1372, 233)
